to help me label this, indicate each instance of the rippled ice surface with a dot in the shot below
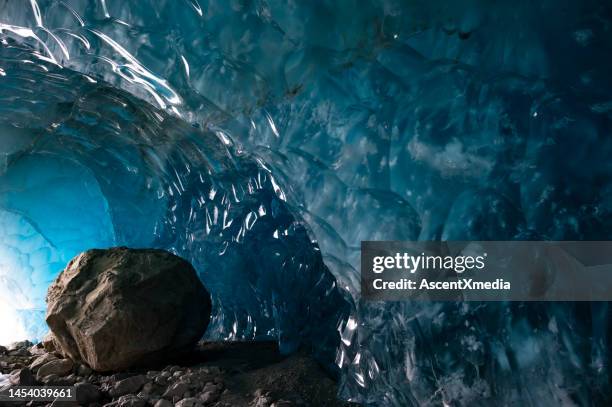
(279, 135)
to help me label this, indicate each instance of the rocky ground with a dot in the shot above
(215, 374)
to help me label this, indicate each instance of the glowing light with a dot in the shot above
(12, 327)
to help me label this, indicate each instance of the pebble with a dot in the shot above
(148, 388)
(87, 393)
(129, 400)
(129, 385)
(84, 370)
(50, 379)
(188, 402)
(163, 403)
(162, 381)
(209, 397)
(176, 390)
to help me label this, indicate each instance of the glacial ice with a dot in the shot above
(340, 121)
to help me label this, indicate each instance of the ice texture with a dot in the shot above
(343, 121)
(104, 169)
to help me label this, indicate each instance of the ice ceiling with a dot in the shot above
(278, 135)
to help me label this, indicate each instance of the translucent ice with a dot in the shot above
(379, 119)
(102, 169)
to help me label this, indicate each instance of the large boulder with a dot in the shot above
(116, 308)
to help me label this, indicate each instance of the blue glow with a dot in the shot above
(277, 135)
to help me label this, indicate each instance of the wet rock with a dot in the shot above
(87, 393)
(59, 367)
(111, 328)
(130, 385)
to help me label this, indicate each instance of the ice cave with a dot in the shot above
(264, 140)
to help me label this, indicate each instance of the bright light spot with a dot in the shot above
(11, 327)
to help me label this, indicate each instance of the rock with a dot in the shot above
(211, 387)
(20, 345)
(83, 370)
(22, 377)
(87, 393)
(188, 402)
(41, 360)
(49, 343)
(176, 390)
(130, 400)
(96, 317)
(37, 350)
(59, 367)
(58, 403)
(19, 352)
(49, 379)
(126, 386)
(209, 397)
(148, 388)
(163, 403)
(160, 380)
(261, 401)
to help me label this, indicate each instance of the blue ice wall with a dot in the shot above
(104, 169)
(381, 119)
